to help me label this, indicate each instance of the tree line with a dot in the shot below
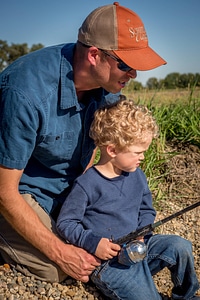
(171, 81)
(9, 53)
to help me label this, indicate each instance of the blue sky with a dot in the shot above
(172, 27)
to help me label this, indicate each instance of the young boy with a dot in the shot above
(112, 198)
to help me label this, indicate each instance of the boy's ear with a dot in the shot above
(111, 150)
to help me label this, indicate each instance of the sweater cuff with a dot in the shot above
(91, 243)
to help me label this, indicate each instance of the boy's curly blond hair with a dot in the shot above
(122, 124)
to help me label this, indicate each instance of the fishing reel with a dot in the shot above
(132, 252)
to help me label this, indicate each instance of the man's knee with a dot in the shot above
(50, 273)
(38, 266)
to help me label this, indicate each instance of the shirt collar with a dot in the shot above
(68, 91)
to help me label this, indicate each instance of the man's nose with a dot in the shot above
(132, 73)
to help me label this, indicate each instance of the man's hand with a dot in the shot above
(106, 249)
(77, 263)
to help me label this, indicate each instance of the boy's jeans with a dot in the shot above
(135, 283)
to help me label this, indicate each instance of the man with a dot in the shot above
(48, 99)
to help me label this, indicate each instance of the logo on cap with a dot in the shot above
(138, 33)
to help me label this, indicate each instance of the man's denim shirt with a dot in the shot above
(43, 127)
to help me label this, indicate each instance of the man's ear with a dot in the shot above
(92, 55)
(111, 150)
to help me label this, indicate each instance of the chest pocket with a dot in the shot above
(56, 148)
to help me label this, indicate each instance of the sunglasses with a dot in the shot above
(121, 65)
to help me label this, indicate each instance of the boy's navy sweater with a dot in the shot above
(102, 207)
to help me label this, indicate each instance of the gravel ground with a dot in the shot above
(182, 188)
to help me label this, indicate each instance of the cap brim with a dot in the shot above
(141, 59)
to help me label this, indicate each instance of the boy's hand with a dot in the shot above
(106, 249)
(140, 238)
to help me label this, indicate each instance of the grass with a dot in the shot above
(162, 96)
(177, 113)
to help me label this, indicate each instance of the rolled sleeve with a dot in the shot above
(19, 127)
